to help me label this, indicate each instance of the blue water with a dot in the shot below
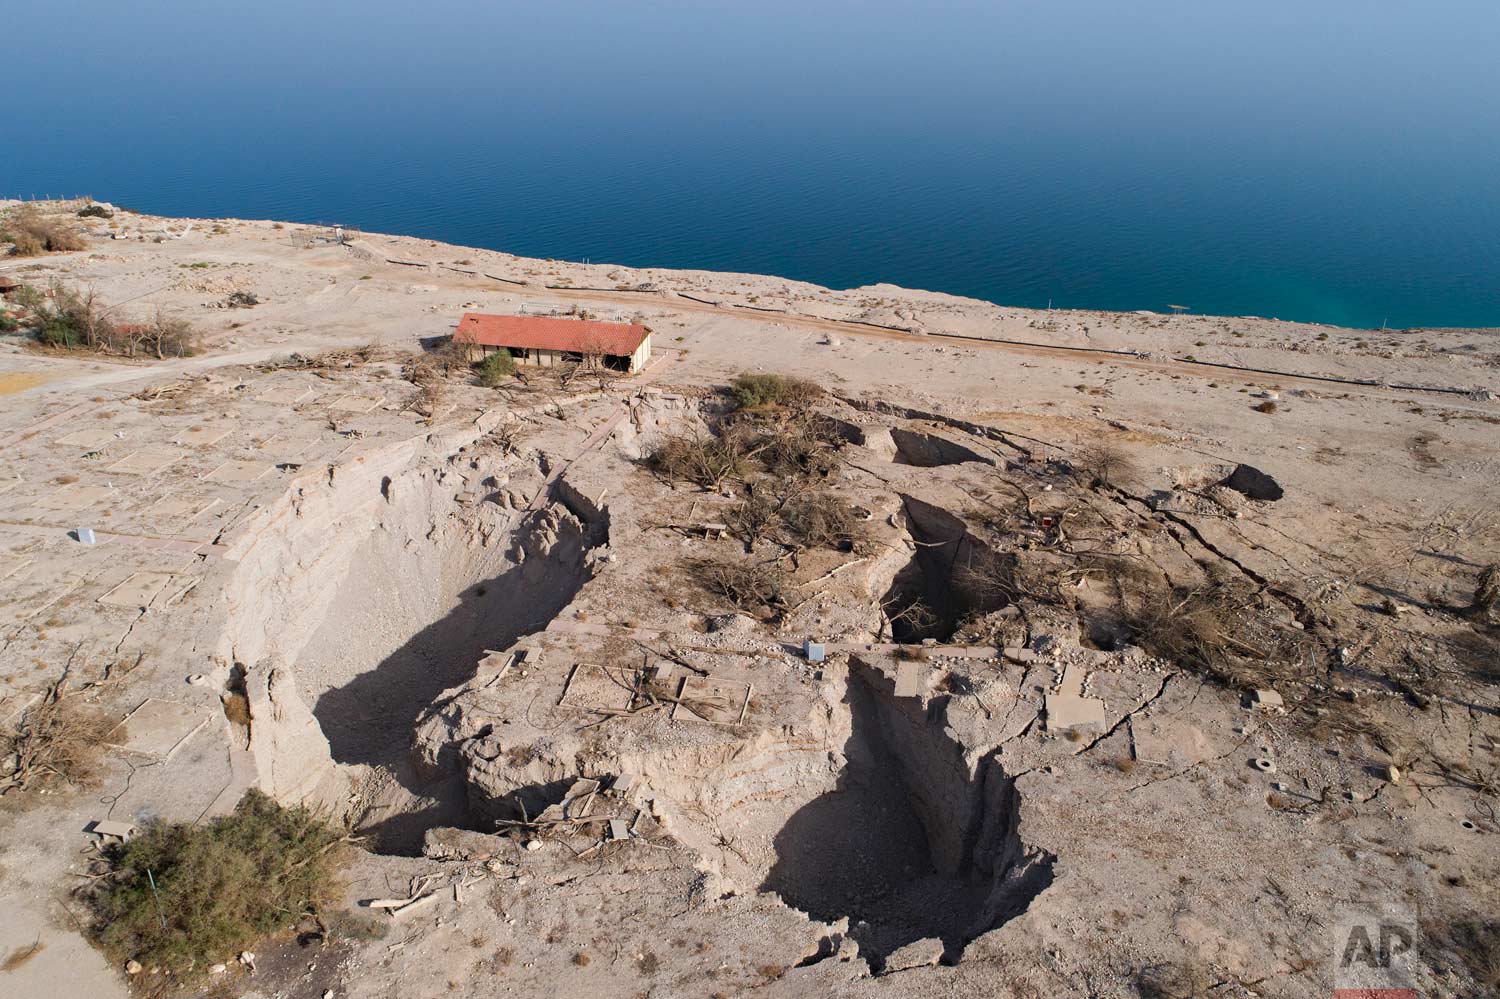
(1328, 160)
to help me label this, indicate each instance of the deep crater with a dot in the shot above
(386, 591)
(952, 576)
(906, 845)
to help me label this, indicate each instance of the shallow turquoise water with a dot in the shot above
(1335, 161)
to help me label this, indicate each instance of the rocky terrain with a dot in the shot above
(1152, 650)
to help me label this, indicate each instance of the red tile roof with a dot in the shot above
(579, 336)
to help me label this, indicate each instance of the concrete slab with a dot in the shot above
(109, 827)
(89, 440)
(599, 688)
(289, 447)
(1070, 712)
(12, 564)
(1172, 742)
(202, 436)
(75, 496)
(157, 728)
(239, 471)
(911, 679)
(355, 403)
(148, 462)
(137, 590)
(181, 509)
(286, 395)
(712, 699)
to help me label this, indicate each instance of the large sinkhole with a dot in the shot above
(952, 576)
(931, 451)
(431, 586)
(907, 845)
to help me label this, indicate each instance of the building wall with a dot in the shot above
(549, 358)
(642, 355)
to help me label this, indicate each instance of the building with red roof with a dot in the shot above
(550, 340)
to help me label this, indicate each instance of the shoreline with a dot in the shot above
(588, 263)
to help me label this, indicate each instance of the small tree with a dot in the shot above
(496, 369)
(66, 318)
(167, 336)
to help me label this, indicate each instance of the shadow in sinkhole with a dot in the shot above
(371, 718)
(904, 845)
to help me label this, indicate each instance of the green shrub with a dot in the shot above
(496, 368)
(67, 318)
(60, 329)
(749, 391)
(8, 323)
(219, 887)
(95, 212)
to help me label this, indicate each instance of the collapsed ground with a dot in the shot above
(1041, 754)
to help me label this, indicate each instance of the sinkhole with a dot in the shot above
(931, 451)
(952, 576)
(907, 845)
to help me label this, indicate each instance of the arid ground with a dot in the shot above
(1158, 650)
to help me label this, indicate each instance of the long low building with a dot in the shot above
(547, 340)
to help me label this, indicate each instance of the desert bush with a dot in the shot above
(8, 323)
(166, 336)
(28, 297)
(1176, 981)
(95, 212)
(990, 579)
(1486, 603)
(751, 518)
(496, 369)
(801, 443)
(31, 233)
(1103, 464)
(747, 585)
(1212, 629)
(820, 519)
(63, 317)
(242, 300)
(751, 390)
(699, 457)
(182, 897)
(56, 740)
(1473, 945)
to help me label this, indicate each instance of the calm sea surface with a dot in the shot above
(1333, 160)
